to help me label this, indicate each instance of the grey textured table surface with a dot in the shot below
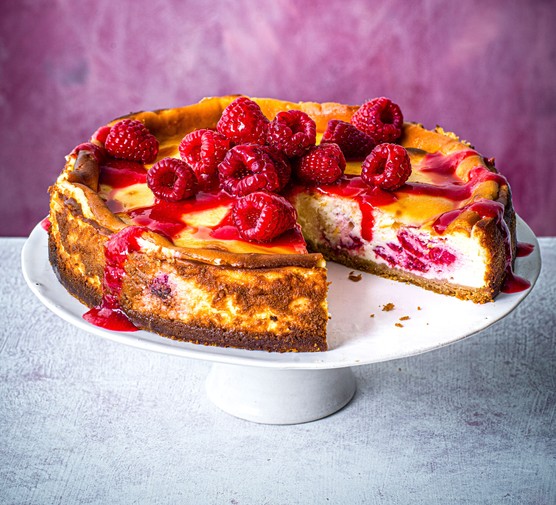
(85, 420)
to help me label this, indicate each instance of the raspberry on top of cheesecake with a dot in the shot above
(226, 195)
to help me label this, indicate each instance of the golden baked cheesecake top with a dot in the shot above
(446, 181)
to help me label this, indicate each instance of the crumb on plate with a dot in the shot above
(352, 276)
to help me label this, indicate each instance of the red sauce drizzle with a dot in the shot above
(353, 187)
(489, 209)
(46, 224)
(443, 164)
(456, 190)
(524, 249)
(166, 217)
(122, 173)
(117, 249)
(514, 283)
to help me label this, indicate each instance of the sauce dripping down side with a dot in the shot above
(46, 224)
(524, 249)
(117, 249)
(490, 209)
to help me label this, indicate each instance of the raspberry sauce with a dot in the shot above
(452, 188)
(456, 189)
(490, 209)
(117, 249)
(167, 217)
(514, 283)
(46, 224)
(444, 164)
(353, 187)
(122, 173)
(524, 249)
(109, 319)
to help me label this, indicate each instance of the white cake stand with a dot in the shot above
(294, 388)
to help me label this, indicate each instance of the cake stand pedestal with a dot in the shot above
(279, 396)
(290, 388)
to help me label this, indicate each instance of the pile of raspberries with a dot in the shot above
(253, 159)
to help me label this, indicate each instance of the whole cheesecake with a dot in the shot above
(181, 256)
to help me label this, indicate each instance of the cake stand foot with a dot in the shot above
(273, 396)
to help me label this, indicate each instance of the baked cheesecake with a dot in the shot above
(210, 223)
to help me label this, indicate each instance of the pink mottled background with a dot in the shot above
(484, 69)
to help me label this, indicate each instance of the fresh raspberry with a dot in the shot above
(131, 140)
(261, 217)
(323, 164)
(243, 122)
(354, 143)
(380, 118)
(292, 132)
(100, 135)
(172, 180)
(248, 168)
(204, 150)
(281, 164)
(98, 152)
(388, 167)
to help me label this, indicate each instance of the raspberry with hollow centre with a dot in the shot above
(250, 167)
(204, 150)
(388, 167)
(172, 180)
(292, 132)
(100, 135)
(354, 143)
(243, 122)
(323, 164)
(379, 118)
(130, 139)
(261, 217)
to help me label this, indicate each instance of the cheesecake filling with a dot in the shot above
(338, 224)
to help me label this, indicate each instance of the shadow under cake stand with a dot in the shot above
(292, 388)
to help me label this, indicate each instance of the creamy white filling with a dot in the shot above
(336, 223)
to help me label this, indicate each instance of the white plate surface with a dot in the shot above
(354, 337)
